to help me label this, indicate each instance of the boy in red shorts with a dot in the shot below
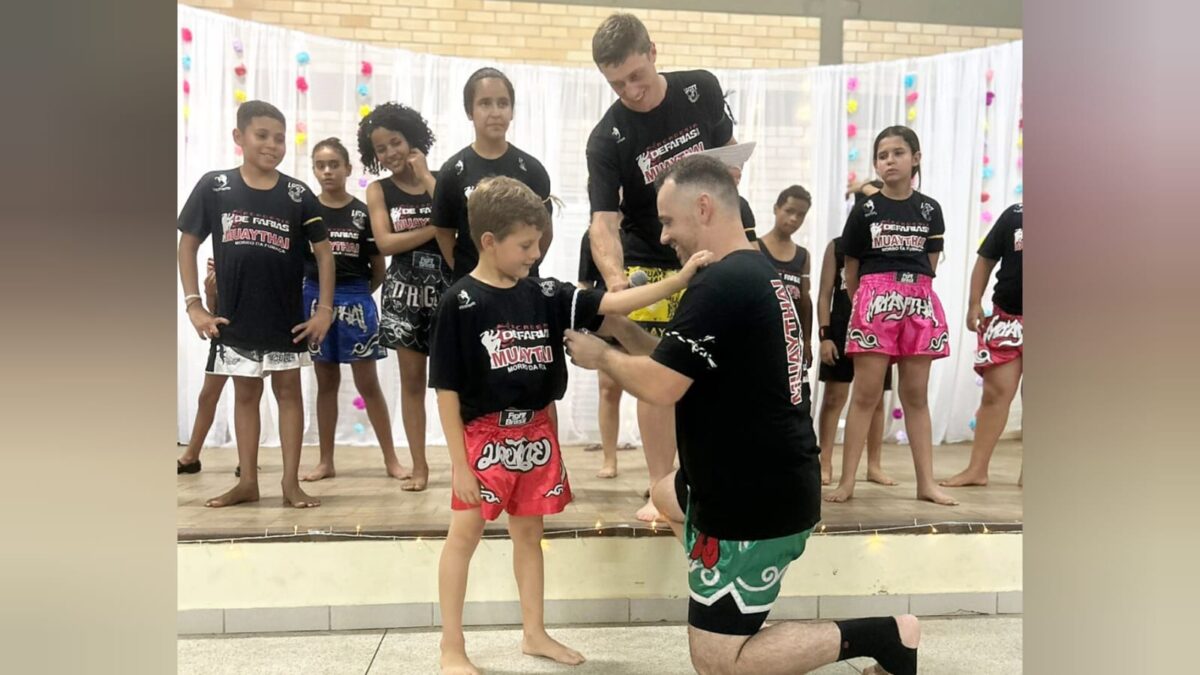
(497, 363)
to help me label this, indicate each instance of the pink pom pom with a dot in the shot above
(1020, 162)
(852, 84)
(302, 84)
(362, 182)
(851, 177)
(911, 98)
(301, 127)
(990, 74)
(991, 97)
(897, 413)
(366, 68)
(240, 70)
(986, 160)
(986, 216)
(852, 130)
(187, 87)
(186, 34)
(359, 402)
(984, 197)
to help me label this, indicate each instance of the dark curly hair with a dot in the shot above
(393, 117)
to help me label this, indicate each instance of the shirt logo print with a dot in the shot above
(693, 94)
(295, 191)
(222, 182)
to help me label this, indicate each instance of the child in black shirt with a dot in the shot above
(354, 337)
(397, 138)
(1001, 339)
(262, 223)
(892, 242)
(497, 364)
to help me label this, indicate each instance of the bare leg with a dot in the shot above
(657, 425)
(412, 411)
(832, 403)
(1000, 385)
(785, 648)
(466, 527)
(864, 397)
(206, 411)
(875, 472)
(610, 423)
(286, 385)
(667, 502)
(366, 381)
(914, 387)
(247, 392)
(529, 570)
(329, 379)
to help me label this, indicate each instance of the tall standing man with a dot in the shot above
(657, 119)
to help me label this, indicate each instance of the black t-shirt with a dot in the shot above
(747, 219)
(790, 272)
(587, 266)
(839, 313)
(746, 443)
(503, 347)
(260, 239)
(627, 150)
(888, 235)
(408, 212)
(351, 239)
(458, 178)
(1005, 243)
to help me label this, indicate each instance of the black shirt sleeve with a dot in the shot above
(689, 346)
(999, 240)
(935, 242)
(582, 305)
(718, 108)
(856, 234)
(195, 218)
(446, 193)
(446, 361)
(604, 179)
(310, 218)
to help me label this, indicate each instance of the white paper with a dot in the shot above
(732, 155)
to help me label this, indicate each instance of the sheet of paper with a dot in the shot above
(732, 155)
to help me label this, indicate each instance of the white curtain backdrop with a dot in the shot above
(797, 116)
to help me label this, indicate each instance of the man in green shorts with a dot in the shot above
(747, 494)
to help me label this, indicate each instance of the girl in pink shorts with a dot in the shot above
(892, 242)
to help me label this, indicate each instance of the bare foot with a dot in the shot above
(320, 472)
(937, 497)
(544, 645)
(965, 478)
(418, 480)
(608, 471)
(455, 662)
(648, 513)
(827, 475)
(296, 497)
(593, 447)
(839, 495)
(397, 470)
(242, 492)
(878, 476)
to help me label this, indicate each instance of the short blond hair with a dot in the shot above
(499, 203)
(619, 37)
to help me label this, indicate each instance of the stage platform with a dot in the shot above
(362, 500)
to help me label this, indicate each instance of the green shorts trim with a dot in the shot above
(749, 572)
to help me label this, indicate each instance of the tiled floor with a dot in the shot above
(979, 646)
(362, 498)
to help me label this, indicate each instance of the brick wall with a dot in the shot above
(865, 41)
(529, 32)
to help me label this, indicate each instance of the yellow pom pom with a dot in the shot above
(301, 138)
(1020, 140)
(239, 96)
(852, 106)
(986, 126)
(912, 114)
(187, 111)
(364, 110)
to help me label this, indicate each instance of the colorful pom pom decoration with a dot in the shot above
(185, 34)
(911, 98)
(366, 68)
(897, 413)
(852, 130)
(237, 46)
(239, 96)
(240, 70)
(302, 58)
(364, 110)
(359, 402)
(363, 90)
(852, 84)
(301, 138)
(302, 84)
(187, 62)
(363, 182)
